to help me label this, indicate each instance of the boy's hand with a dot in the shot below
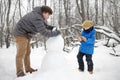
(83, 38)
(79, 38)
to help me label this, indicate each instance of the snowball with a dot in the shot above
(55, 43)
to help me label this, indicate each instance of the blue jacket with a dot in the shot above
(87, 46)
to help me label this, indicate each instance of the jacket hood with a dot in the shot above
(38, 10)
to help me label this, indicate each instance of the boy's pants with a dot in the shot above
(88, 59)
(23, 53)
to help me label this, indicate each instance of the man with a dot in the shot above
(30, 24)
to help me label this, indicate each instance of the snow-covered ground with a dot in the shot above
(106, 66)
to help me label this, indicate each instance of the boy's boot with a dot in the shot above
(80, 70)
(90, 72)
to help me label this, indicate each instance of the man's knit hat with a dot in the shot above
(87, 24)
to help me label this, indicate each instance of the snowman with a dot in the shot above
(54, 63)
(54, 58)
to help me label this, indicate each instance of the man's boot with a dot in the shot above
(20, 74)
(31, 70)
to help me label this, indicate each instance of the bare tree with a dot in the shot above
(7, 41)
(96, 11)
(116, 17)
(45, 2)
(63, 13)
(103, 11)
(88, 9)
(20, 8)
(81, 9)
(1, 28)
(33, 3)
(45, 37)
(66, 10)
(13, 17)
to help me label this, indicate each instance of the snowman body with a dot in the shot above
(54, 58)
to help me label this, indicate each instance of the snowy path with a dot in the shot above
(107, 67)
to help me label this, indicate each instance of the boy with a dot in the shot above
(87, 40)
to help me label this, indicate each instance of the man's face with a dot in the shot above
(46, 15)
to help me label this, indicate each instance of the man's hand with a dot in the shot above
(50, 27)
(58, 32)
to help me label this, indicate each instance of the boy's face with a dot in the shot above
(86, 28)
(46, 15)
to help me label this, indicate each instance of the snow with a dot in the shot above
(117, 50)
(106, 65)
(104, 28)
(100, 42)
(54, 64)
(112, 42)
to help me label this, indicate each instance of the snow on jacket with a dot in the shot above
(87, 46)
(32, 23)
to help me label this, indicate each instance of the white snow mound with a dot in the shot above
(55, 44)
(54, 58)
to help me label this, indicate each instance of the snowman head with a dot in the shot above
(55, 43)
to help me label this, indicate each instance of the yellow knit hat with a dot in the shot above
(87, 24)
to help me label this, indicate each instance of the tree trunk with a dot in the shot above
(103, 11)
(33, 4)
(60, 9)
(66, 8)
(45, 2)
(20, 9)
(88, 9)
(115, 19)
(7, 40)
(81, 10)
(1, 36)
(96, 10)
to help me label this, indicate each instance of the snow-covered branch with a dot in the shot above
(109, 33)
(75, 26)
(101, 29)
